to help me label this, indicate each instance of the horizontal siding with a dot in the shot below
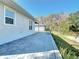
(10, 33)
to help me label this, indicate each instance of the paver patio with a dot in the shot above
(37, 46)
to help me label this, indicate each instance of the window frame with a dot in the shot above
(30, 25)
(14, 19)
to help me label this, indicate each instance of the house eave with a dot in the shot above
(16, 7)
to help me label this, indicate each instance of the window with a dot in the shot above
(30, 25)
(9, 17)
(9, 20)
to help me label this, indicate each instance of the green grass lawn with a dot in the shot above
(72, 42)
(68, 48)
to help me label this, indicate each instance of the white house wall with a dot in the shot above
(39, 28)
(12, 32)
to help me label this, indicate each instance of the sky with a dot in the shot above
(46, 7)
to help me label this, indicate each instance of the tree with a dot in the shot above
(74, 23)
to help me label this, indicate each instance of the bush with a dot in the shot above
(66, 50)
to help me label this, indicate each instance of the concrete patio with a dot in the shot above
(37, 46)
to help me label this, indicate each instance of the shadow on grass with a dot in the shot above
(63, 44)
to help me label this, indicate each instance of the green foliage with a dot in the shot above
(68, 55)
(73, 18)
(60, 22)
(47, 29)
(67, 51)
(74, 22)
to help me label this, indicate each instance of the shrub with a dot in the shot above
(66, 50)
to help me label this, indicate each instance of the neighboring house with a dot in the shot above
(15, 22)
(39, 27)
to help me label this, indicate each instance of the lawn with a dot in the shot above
(69, 49)
(73, 43)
